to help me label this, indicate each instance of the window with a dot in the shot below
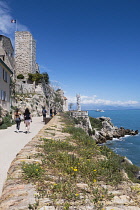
(4, 75)
(3, 95)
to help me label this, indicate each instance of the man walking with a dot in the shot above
(44, 112)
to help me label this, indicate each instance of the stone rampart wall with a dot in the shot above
(24, 88)
(84, 115)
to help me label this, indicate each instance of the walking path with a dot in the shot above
(11, 143)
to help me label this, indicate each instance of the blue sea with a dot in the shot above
(128, 146)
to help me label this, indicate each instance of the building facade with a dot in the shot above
(7, 52)
(25, 54)
(5, 74)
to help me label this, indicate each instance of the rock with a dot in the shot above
(138, 175)
(126, 160)
(109, 131)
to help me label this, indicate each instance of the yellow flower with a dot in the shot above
(37, 169)
(94, 180)
(76, 194)
(94, 170)
(75, 169)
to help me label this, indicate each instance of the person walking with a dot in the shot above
(27, 120)
(17, 115)
(44, 112)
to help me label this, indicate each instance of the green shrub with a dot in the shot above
(95, 123)
(20, 76)
(35, 77)
(3, 126)
(6, 122)
(32, 170)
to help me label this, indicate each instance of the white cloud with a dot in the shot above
(93, 100)
(6, 27)
(44, 68)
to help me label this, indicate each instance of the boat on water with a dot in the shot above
(99, 110)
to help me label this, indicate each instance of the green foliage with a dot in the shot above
(131, 170)
(76, 159)
(95, 123)
(20, 76)
(91, 132)
(58, 99)
(39, 77)
(3, 126)
(35, 77)
(80, 120)
(6, 122)
(32, 171)
(46, 77)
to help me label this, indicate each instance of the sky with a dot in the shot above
(88, 47)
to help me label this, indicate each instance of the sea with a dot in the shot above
(128, 146)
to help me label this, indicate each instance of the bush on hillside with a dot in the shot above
(20, 76)
(95, 123)
(6, 122)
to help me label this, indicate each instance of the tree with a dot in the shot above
(45, 77)
(35, 77)
(20, 76)
(70, 106)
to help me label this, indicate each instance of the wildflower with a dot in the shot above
(94, 180)
(76, 194)
(75, 169)
(94, 170)
(37, 169)
(36, 194)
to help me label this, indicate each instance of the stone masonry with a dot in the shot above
(7, 52)
(25, 53)
(18, 194)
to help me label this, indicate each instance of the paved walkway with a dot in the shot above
(11, 143)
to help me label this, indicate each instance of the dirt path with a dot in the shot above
(11, 143)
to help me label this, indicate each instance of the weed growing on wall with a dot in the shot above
(73, 168)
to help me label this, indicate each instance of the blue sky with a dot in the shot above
(89, 47)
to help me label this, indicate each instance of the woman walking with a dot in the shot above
(17, 115)
(27, 120)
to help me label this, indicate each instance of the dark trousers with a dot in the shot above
(44, 117)
(18, 124)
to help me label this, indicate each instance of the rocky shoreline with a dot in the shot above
(109, 131)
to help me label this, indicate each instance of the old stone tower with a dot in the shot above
(25, 54)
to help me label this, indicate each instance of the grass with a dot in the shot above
(76, 160)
